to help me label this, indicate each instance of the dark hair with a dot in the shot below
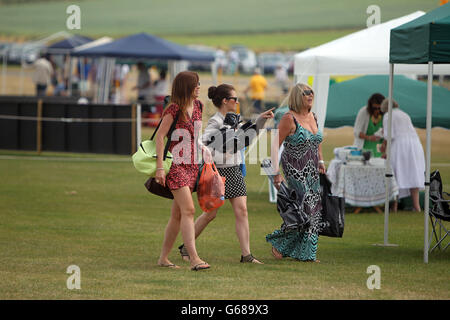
(376, 98)
(217, 94)
(183, 87)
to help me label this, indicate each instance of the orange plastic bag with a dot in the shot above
(211, 188)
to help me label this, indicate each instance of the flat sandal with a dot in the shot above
(250, 258)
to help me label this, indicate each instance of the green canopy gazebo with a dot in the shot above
(425, 40)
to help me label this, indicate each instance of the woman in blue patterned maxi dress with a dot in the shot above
(301, 161)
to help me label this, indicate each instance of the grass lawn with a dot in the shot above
(97, 215)
(172, 17)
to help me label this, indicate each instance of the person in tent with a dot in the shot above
(368, 121)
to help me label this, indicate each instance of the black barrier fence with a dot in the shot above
(29, 123)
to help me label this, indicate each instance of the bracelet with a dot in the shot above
(159, 169)
(321, 162)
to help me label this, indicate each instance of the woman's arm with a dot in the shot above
(322, 168)
(285, 128)
(358, 127)
(261, 120)
(162, 132)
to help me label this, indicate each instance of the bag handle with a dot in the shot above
(325, 182)
(169, 134)
(172, 128)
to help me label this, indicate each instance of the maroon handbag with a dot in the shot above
(157, 189)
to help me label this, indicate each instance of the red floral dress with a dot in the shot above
(183, 173)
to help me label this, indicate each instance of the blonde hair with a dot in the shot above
(295, 98)
(385, 105)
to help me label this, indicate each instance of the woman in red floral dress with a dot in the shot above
(183, 172)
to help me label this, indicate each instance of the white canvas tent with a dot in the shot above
(360, 53)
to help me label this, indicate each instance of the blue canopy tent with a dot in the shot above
(67, 45)
(145, 46)
(64, 47)
(141, 46)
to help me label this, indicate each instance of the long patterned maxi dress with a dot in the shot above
(300, 159)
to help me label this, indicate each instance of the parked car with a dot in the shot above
(268, 61)
(29, 51)
(247, 58)
(4, 47)
(220, 58)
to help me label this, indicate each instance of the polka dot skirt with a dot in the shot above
(234, 182)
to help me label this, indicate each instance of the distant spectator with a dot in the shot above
(257, 86)
(368, 121)
(43, 74)
(143, 82)
(83, 69)
(233, 63)
(160, 90)
(281, 78)
(407, 157)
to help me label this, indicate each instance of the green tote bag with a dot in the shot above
(144, 159)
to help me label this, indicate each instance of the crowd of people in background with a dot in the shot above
(53, 76)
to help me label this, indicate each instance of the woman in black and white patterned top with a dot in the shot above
(228, 164)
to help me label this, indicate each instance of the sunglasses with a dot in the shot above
(308, 92)
(233, 98)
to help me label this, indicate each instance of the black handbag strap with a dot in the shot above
(169, 134)
(325, 182)
(172, 128)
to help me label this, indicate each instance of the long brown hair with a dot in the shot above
(376, 98)
(183, 87)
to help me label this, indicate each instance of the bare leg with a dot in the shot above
(170, 234)
(239, 205)
(183, 198)
(415, 199)
(200, 224)
(203, 220)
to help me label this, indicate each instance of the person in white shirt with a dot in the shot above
(407, 156)
(42, 76)
(281, 78)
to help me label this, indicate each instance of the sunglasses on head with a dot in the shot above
(308, 92)
(233, 98)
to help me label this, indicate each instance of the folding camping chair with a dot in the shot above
(439, 211)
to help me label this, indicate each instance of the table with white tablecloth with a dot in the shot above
(362, 185)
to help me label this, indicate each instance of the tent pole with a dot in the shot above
(388, 173)
(428, 160)
(138, 125)
(69, 83)
(4, 66)
(22, 62)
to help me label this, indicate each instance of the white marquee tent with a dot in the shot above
(360, 53)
